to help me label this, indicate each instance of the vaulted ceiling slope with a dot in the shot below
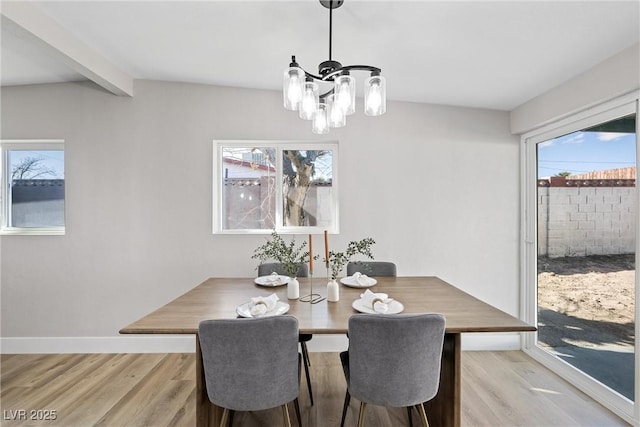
(484, 54)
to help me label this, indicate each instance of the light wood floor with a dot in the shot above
(499, 389)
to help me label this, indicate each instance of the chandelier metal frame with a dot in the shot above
(301, 92)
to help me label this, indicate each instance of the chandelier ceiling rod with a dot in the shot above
(330, 26)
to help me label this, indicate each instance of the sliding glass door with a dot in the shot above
(581, 210)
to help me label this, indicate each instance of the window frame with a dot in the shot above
(7, 145)
(280, 146)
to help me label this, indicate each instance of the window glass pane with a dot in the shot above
(587, 221)
(285, 186)
(248, 199)
(36, 181)
(307, 187)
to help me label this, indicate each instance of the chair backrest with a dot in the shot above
(372, 268)
(394, 360)
(250, 364)
(267, 268)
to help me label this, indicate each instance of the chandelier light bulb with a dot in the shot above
(320, 123)
(310, 99)
(294, 93)
(345, 91)
(335, 113)
(375, 99)
(344, 99)
(292, 87)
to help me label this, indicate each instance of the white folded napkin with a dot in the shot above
(273, 279)
(361, 279)
(378, 302)
(261, 305)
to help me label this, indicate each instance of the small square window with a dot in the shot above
(33, 190)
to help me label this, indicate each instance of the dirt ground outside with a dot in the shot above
(586, 308)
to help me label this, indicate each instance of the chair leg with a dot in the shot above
(423, 415)
(225, 416)
(305, 353)
(231, 413)
(306, 373)
(285, 414)
(347, 399)
(296, 405)
(409, 414)
(363, 405)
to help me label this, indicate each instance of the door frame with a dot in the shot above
(624, 105)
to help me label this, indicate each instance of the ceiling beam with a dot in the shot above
(30, 23)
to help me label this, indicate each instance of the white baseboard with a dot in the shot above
(118, 344)
(328, 343)
(470, 342)
(186, 344)
(491, 342)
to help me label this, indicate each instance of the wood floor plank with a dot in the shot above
(55, 376)
(156, 390)
(553, 389)
(539, 392)
(158, 396)
(493, 387)
(39, 372)
(104, 388)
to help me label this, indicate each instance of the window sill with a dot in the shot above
(15, 231)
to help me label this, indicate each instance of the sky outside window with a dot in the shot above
(583, 152)
(51, 161)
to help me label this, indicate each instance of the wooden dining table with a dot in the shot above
(218, 298)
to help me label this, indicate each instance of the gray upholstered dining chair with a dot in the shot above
(251, 364)
(267, 268)
(393, 360)
(372, 268)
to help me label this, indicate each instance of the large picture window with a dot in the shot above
(260, 186)
(33, 191)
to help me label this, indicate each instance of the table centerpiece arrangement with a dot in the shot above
(336, 261)
(290, 255)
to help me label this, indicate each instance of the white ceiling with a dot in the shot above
(486, 54)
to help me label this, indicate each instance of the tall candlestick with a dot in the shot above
(326, 247)
(310, 254)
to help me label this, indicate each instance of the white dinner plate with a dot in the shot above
(244, 310)
(269, 282)
(395, 307)
(351, 282)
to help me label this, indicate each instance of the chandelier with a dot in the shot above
(330, 109)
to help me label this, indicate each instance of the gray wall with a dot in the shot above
(138, 198)
(615, 76)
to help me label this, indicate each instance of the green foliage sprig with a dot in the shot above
(288, 254)
(338, 260)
